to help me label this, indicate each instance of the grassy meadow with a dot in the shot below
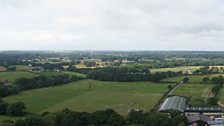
(12, 76)
(221, 96)
(91, 95)
(49, 74)
(193, 90)
(193, 78)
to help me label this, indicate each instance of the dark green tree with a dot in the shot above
(185, 80)
(157, 119)
(16, 109)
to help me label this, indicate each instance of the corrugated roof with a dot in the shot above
(204, 109)
(198, 117)
(174, 103)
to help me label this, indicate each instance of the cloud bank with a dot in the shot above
(111, 25)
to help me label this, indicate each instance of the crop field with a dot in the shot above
(82, 66)
(12, 76)
(177, 69)
(193, 78)
(91, 95)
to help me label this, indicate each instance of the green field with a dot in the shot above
(2, 118)
(75, 74)
(193, 90)
(221, 95)
(23, 68)
(176, 69)
(193, 78)
(49, 74)
(12, 76)
(90, 95)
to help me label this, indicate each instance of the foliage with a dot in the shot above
(127, 74)
(36, 82)
(16, 109)
(213, 101)
(185, 80)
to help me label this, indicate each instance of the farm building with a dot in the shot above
(196, 116)
(198, 120)
(176, 103)
(204, 110)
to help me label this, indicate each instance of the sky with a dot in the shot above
(112, 25)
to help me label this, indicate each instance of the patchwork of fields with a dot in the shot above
(90, 95)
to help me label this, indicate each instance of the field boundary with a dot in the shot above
(165, 95)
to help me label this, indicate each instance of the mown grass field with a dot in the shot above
(193, 78)
(176, 69)
(90, 95)
(12, 76)
(193, 90)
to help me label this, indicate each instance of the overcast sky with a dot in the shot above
(112, 24)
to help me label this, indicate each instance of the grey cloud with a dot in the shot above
(112, 24)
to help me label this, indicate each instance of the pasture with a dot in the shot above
(91, 95)
(12, 76)
(193, 78)
(49, 74)
(221, 96)
(194, 92)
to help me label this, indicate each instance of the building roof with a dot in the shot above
(174, 103)
(204, 109)
(198, 117)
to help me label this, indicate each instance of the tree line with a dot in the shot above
(22, 84)
(106, 117)
(128, 74)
